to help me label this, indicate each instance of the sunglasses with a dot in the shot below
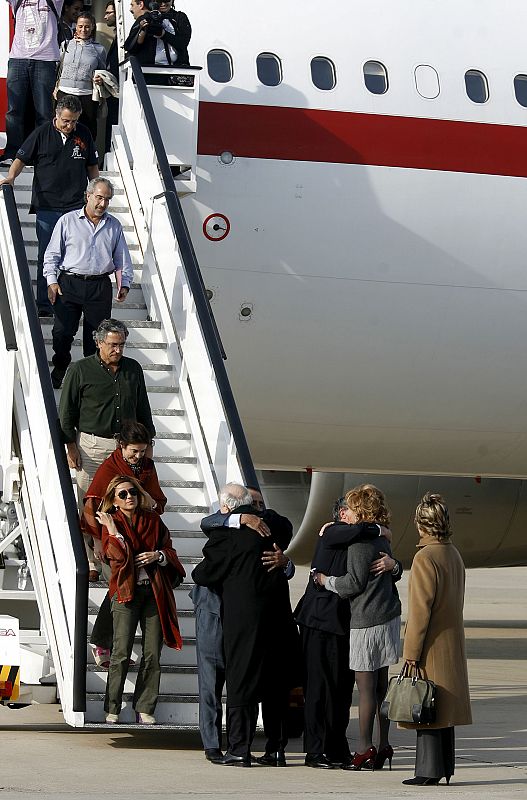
(123, 494)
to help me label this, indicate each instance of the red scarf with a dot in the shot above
(145, 533)
(116, 465)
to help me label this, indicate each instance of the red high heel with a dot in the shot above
(363, 760)
(382, 755)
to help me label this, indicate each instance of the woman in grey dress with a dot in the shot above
(375, 623)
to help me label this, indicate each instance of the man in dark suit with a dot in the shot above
(256, 611)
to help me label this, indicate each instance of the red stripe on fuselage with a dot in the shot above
(303, 134)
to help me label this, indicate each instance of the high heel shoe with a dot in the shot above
(363, 760)
(419, 781)
(385, 754)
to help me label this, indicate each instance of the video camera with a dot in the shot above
(154, 17)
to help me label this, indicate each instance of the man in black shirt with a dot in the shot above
(64, 156)
(112, 65)
(158, 41)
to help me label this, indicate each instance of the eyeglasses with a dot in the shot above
(123, 494)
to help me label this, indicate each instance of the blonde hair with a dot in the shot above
(369, 504)
(109, 496)
(431, 516)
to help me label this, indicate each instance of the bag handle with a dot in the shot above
(410, 671)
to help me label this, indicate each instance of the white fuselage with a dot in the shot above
(379, 241)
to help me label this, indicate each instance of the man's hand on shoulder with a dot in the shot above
(256, 523)
(274, 559)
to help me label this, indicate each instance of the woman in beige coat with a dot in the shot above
(435, 640)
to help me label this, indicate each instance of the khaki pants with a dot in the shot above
(142, 609)
(94, 450)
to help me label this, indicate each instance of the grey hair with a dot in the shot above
(109, 326)
(95, 182)
(70, 102)
(234, 495)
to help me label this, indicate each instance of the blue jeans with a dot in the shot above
(46, 221)
(25, 75)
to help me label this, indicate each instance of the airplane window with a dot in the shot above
(375, 77)
(269, 69)
(219, 66)
(426, 81)
(323, 73)
(477, 86)
(520, 89)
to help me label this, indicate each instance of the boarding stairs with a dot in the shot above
(199, 443)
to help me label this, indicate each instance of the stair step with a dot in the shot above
(129, 345)
(162, 698)
(182, 484)
(130, 323)
(133, 726)
(175, 460)
(168, 669)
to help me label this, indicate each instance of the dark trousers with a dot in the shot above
(91, 298)
(88, 115)
(328, 688)
(102, 631)
(274, 715)
(112, 106)
(435, 753)
(211, 676)
(241, 727)
(141, 609)
(27, 76)
(47, 218)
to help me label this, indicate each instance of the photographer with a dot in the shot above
(159, 34)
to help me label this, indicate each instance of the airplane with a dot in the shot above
(359, 222)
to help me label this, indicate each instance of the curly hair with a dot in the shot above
(431, 516)
(369, 504)
(109, 495)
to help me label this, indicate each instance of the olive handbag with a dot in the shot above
(410, 697)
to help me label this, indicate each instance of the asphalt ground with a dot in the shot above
(41, 756)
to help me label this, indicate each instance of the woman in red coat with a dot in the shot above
(144, 568)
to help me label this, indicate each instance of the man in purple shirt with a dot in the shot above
(32, 67)
(86, 247)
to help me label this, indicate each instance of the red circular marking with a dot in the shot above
(223, 233)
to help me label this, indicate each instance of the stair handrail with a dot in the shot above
(194, 277)
(78, 698)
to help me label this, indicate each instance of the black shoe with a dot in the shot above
(214, 755)
(318, 761)
(276, 759)
(229, 760)
(418, 781)
(57, 376)
(45, 313)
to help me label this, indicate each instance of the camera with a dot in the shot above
(154, 17)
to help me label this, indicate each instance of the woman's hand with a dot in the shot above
(105, 519)
(143, 559)
(383, 564)
(323, 528)
(320, 579)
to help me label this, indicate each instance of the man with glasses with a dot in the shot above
(64, 157)
(99, 392)
(86, 247)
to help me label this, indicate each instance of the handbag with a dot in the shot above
(410, 697)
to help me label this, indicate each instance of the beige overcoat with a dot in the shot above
(434, 634)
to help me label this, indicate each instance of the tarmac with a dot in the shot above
(41, 756)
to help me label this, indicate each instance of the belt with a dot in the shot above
(86, 277)
(144, 582)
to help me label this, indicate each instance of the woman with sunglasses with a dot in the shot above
(144, 568)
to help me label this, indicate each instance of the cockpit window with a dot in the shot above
(219, 66)
(477, 86)
(375, 77)
(323, 73)
(269, 69)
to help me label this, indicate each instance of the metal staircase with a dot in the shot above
(173, 336)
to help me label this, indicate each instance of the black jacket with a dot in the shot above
(146, 51)
(280, 527)
(258, 626)
(321, 609)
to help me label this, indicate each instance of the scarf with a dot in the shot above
(116, 465)
(146, 532)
